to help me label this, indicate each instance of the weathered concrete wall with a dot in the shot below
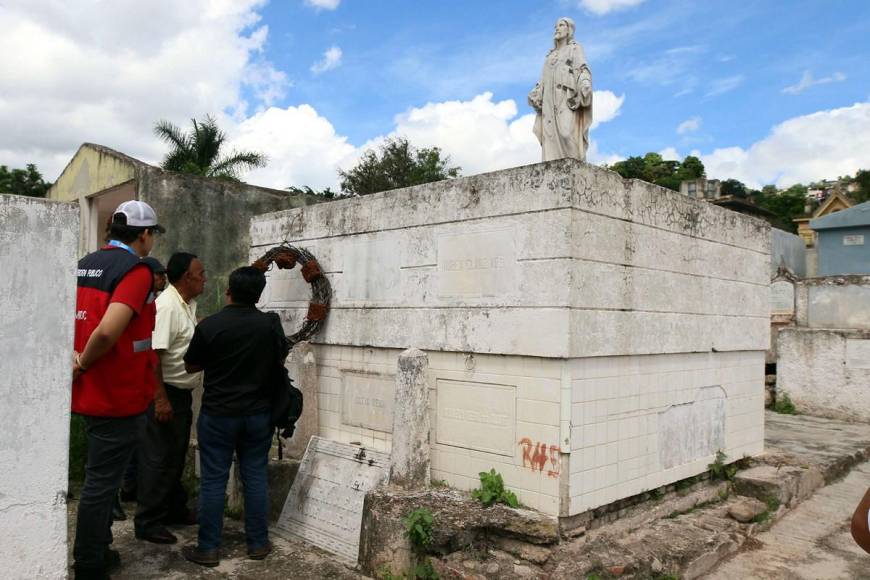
(210, 218)
(588, 337)
(37, 298)
(583, 262)
(844, 251)
(91, 171)
(826, 372)
(833, 302)
(787, 250)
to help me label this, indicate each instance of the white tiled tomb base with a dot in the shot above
(567, 435)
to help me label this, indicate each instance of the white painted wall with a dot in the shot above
(37, 298)
(826, 372)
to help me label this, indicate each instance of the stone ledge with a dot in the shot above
(460, 522)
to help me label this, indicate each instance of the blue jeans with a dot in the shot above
(218, 437)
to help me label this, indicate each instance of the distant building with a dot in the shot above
(701, 188)
(835, 202)
(843, 240)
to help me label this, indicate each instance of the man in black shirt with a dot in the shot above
(237, 350)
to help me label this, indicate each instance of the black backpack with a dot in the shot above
(286, 399)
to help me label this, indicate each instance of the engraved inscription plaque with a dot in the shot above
(477, 265)
(782, 297)
(853, 240)
(324, 506)
(371, 272)
(480, 416)
(367, 401)
(857, 353)
(286, 288)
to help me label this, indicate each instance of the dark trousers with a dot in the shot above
(111, 441)
(161, 453)
(250, 438)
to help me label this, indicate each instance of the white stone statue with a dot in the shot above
(563, 98)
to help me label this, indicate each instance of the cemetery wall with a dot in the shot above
(37, 297)
(826, 372)
(788, 250)
(833, 302)
(578, 326)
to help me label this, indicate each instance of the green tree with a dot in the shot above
(199, 151)
(733, 187)
(862, 178)
(325, 193)
(396, 164)
(652, 168)
(787, 205)
(631, 168)
(27, 181)
(690, 168)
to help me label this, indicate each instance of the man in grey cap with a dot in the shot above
(113, 372)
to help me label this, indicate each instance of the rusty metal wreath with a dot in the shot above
(285, 257)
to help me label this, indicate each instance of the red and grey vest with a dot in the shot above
(121, 383)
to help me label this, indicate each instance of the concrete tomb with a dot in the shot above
(325, 503)
(588, 337)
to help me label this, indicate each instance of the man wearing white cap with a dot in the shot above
(113, 372)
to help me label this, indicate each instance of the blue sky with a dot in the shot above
(763, 91)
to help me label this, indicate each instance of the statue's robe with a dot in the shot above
(563, 102)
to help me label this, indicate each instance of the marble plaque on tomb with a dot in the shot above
(782, 297)
(325, 503)
(367, 400)
(371, 272)
(857, 353)
(286, 288)
(477, 265)
(479, 416)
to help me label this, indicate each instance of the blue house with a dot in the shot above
(844, 241)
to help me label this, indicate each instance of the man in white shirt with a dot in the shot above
(166, 437)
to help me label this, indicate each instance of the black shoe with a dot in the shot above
(260, 553)
(209, 558)
(112, 559)
(118, 514)
(90, 573)
(158, 536)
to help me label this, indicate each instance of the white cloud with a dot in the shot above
(689, 125)
(331, 59)
(808, 81)
(802, 149)
(605, 6)
(302, 146)
(605, 106)
(670, 154)
(74, 75)
(323, 4)
(724, 85)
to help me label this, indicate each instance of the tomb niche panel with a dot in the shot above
(479, 416)
(857, 353)
(477, 265)
(367, 400)
(371, 271)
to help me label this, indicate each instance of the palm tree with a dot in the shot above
(199, 152)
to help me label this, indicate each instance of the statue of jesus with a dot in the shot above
(563, 98)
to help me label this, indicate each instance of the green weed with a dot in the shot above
(492, 490)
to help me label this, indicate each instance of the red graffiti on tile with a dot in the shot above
(536, 456)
